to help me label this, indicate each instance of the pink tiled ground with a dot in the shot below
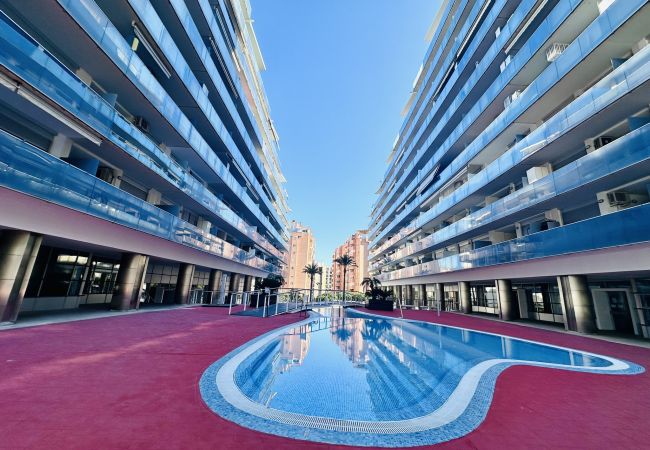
(132, 382)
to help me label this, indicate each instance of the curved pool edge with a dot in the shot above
(637, 367)
(459, 422)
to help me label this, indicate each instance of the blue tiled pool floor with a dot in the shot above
(374, 381)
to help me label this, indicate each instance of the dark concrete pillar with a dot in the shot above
(248, 283)
(465, 297)
(18, 251)
(233, 287)
(440, 295)
(235, 279)
(423, 297)
(214, 280)
(184, 284)
(508, 306)
(578, 304)
(133, 268)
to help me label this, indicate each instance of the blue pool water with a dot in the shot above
(372, 381)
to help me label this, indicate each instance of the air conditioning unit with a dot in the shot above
(142, 124)
(555, 50)
(511, 98)
(618, 198)
(601, 141)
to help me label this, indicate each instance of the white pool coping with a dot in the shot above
(456, 404)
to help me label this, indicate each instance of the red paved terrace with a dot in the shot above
(132, 382)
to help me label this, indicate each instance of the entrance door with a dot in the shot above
(620, 311)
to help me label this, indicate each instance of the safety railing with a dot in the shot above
(273, 302)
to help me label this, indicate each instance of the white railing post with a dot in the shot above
(230, 306)
(245, 299)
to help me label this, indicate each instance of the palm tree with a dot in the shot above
(312, 270)
(371, 283)
(345, 261)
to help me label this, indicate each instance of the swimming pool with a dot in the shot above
(372, 381)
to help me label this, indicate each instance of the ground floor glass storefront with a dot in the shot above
(63, 279)
(540, 301)
(617, 305)
(484, 299)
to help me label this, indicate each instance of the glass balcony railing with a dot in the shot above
(523, 56)
(599, 30)
(31, 171)
(94, 22)
(626, 227)
(28, 60)
(165, 42)
(486, 60)
(435, 60)
(223, 48)
(627, 151)
(618, 83)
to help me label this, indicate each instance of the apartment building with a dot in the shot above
(137, 154)
(302, 251)
(325, 278)
(356, 246)
(519, 183)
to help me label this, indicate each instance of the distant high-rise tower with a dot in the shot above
(356, 247)
(326, 277)
(302, 249)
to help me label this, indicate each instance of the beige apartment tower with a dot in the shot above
(302, 249)
(356, 247)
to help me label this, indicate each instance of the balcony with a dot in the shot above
(628, 153)
(94, 23)
(575, 53)
(626, 227)
(598, 32)
(24, 57)
(31, 171)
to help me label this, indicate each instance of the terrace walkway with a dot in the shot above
(131, 381)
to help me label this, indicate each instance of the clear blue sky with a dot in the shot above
(338, 75)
